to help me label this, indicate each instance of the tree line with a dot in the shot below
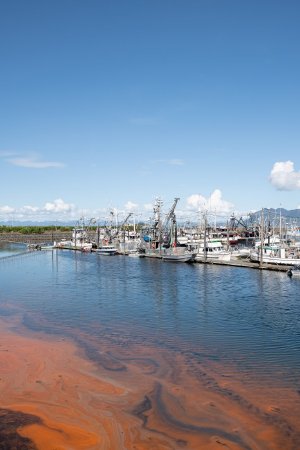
(21, 229)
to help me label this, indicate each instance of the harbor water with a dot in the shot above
(233, 332)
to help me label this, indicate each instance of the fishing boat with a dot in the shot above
(276, 255)
(177, 254)
(178, 257)
(240, 253)
(47, 246)
(136, 254)
(159, 239)
(80, 239)
(107, 250)
(213, 251)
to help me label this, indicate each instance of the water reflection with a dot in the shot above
(8, 249)
(248, 317)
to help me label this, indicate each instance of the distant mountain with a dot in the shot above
(268, 212)
(289, 214)
(29, 223)
(45, 223)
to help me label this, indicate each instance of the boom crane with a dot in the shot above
(125, 220)
(123, 223)
(166, 236)
(117, 230)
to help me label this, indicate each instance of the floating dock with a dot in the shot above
(235, 263)
(249, 265)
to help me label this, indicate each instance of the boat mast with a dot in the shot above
(262, 238)
(205, 244)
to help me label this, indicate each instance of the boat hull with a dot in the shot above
(106, 251)
(275, 260)
(179, 258)
(213, 257)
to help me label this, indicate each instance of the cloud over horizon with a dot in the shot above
(130, 206)
(214, 202)
(56, 210)
(284, 177)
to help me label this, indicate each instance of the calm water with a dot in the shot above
(11, 249)
(232, 315)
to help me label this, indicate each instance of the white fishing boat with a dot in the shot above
(136, 255)
(276, 255)
(107, 250)
(79, 241)
(240, 253)
(269, 241)
(178, 255)
(214, 251)
(47, 247)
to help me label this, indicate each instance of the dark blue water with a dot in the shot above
(232, 315)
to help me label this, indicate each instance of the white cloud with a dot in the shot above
(56, 210)
(58, 206)
(148, 206)
(30, 209)
(6, 210)
(214, 202)
(196, 202)
(284, 177)
(130, 206)
(33, 163)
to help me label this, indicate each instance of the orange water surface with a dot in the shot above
(54, 396)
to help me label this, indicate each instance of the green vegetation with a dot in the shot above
(32, 229)
(37, 229)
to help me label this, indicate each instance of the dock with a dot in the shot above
(234, 263)
(249, 265)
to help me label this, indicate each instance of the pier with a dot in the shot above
(249, 265)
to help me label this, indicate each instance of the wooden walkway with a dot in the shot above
(249, 265)
(236, 263)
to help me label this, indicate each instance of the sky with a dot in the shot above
(112, 104)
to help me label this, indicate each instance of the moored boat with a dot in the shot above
(136, 255)
(107, 250)
(175, 256)
(276, 255)
(214, 251)
(80, 240)
(47, 246)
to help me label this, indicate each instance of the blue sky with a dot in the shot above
(111, 104)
